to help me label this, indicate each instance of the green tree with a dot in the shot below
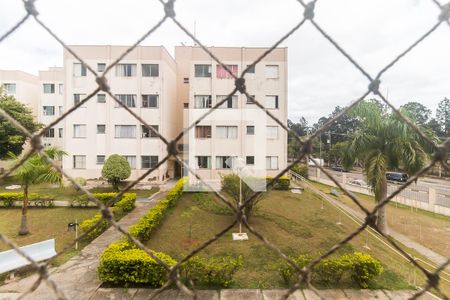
(11, 138)
(300, 128)
(418, 112)
(443, 116)
(116, 169)
(384, 142)
(35, 170)
(434, 126)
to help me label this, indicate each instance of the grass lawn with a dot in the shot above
(44, 224)
(295, 223)
(424, 227)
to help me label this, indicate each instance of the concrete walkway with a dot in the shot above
(78, 276)
(426, 252)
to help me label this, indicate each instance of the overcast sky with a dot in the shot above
(372, 31)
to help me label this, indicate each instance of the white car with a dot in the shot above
(359, 183)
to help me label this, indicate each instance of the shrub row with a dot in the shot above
(301, 169)
(123, 263)
(282, 183)
(357, 267)
(7, 199)
(120, 208)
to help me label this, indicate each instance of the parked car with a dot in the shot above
(359, 183)
(396, 177)
(339, 168)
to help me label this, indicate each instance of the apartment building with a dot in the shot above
(51, 104)
(144, 81)
(23, 86)
(238, 129)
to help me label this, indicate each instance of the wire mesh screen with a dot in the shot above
(440, 150)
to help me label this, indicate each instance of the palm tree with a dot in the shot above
(35, 170)
(384, 142)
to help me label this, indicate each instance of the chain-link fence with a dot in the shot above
(440, 151)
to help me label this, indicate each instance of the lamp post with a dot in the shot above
(239, 165)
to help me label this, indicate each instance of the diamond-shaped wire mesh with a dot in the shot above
(440, 152)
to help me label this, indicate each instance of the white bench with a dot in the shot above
(11, 259)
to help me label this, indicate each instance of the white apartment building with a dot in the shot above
(23, 86)
(51, 104)
(145, 82)
(239, 128)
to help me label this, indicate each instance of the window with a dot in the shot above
(101, 67)
(250, 100)
(251, 69)
(271, 162)
(271, 102)
(131, 159)
(186, 80)
(49, 88)
(101, 129)
(100, 159)
(77, 98)
(60, 110)
(150, 101)
(272, 132)
(125, 131)
(250, 130)
(225, 162)
(203, 162)
(147, 133)
(79, 130)
(226, 132)
(127, 100)
(50, 133)
(60, 132)
(202, 70)
(232, 102)
(150, 70)
(10, 88)
(79, 70)
(148, 162)
(202, 101)
(271, 71)
(79, 161)
(126, 70)
(61, 88)
(249, 160)
(222, 73)
(48, 110)
(203, 132)
(101, 98)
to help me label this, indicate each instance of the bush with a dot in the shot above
(120, 208)
(282, 183)
(142, 229)
(116, 169)
(358, 267)
(7, 199)
(123, 263)
(81, 181)
(214, 272)
(301, 169)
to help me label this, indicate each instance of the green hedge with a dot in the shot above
(358, 268)
(301, 169)
(120, 208)
(282, 183)
(7, 199)
(122, 263)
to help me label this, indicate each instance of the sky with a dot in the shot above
(373, 32)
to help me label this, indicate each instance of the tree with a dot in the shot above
(300, 128)
(434, 126)
(443, 116)
(418, 112)
(35, 170)
(384, 142)
(12, 138)
(116, 169)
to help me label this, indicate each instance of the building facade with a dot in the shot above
(23, 86)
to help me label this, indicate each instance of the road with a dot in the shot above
(417, 191)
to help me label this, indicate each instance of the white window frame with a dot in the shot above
(272, 132)
(79, 131)
(77, 98)
(79, 161)
(131, 159)
(202, 157)
(272, 71)
(101, 98)
(45, 111)
(50, 133)
(48, 88)
(221, 161)
(247, 128)
(202, 70)
(230, 103)
(10, 88)
(128, 99)
(226, 132)
(202, 101)
(101, 126)
(272, 102)
(79, 70)
(203, 137)
(151, 163)
(125, 131)
(146, 133)
(146, 100)
(126, 70)
(272, 162)
(153, 70)
(99, 160)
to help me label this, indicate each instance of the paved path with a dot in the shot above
(426, 252)
(78, 276)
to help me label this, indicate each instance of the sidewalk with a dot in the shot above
(78, 276)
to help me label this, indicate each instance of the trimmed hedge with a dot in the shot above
(301, 169)
(357, 267)
(123, 263)
(7, 199)
(282, 183)
(120, 209)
